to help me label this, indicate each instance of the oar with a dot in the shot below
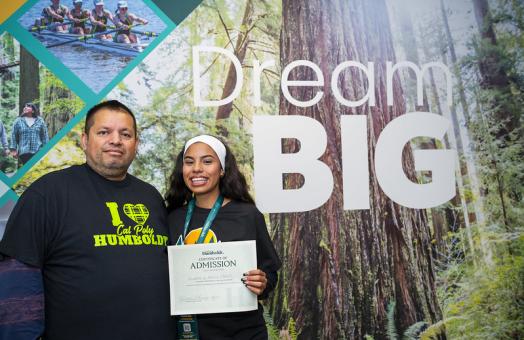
(48, 27)
(88, 36)
(107, 26)
(52, 25)
(148, 34)
(84, 37)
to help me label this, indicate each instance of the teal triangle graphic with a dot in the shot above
(177, 10)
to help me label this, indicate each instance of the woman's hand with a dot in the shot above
(255, 280)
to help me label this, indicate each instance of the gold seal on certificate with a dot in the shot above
(205, 278)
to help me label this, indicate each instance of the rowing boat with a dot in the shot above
(131, 50)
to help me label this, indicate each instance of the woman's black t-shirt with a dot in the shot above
(235, 221)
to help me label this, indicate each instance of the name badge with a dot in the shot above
(187, 328)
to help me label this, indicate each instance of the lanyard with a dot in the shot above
(187, 324)
(207, 224)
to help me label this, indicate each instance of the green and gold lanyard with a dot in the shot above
(207, 224)
(187, 327)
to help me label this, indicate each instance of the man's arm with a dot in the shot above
(14, 137)
(3, 137)
(21, 300)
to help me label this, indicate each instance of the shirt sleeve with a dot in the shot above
(267, 257)
(3, 136)
(14, 136)
(21, 301)
(26, 232)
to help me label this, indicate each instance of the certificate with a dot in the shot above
(205, 278)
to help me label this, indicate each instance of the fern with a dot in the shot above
(292, 330)
(413, 332)
(391, 327)
(437, 328)
(271, 329)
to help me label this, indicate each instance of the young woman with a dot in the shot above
(206, 177)
(126, 20)
(55, 13)
(78, 16)
(100, 18)
(29, 134)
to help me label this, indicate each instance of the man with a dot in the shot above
(56, 13)
(3, 140)
(29, 134)
(98, 236)
(78, 17)
(100, 18)
(5, 148)
(125, 20)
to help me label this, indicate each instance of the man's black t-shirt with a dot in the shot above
(101, 246)
(235, 221)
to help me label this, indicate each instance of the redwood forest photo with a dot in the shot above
(23, 79)
(454, 271)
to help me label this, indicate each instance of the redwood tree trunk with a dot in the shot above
(454, 60)
(242, 43)
(342, 268)
(57, 118)
(443, 218)
(501, 105)
(493, 74)
(29, 78)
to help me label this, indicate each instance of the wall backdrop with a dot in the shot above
(383, 141)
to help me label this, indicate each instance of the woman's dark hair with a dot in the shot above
(232, 185)
(32, 106)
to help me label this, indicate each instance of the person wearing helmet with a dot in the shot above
(125, 20)
(100, 18)
(78, 16)
(55, 13)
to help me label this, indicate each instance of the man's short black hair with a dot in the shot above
(113, 105)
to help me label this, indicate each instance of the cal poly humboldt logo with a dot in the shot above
(137, 212)
(129, 234)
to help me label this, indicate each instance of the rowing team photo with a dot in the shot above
(96, 26)
(107, 33)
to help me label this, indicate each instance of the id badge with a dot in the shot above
(187, 327)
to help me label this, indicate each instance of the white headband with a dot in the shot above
(213, 143)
